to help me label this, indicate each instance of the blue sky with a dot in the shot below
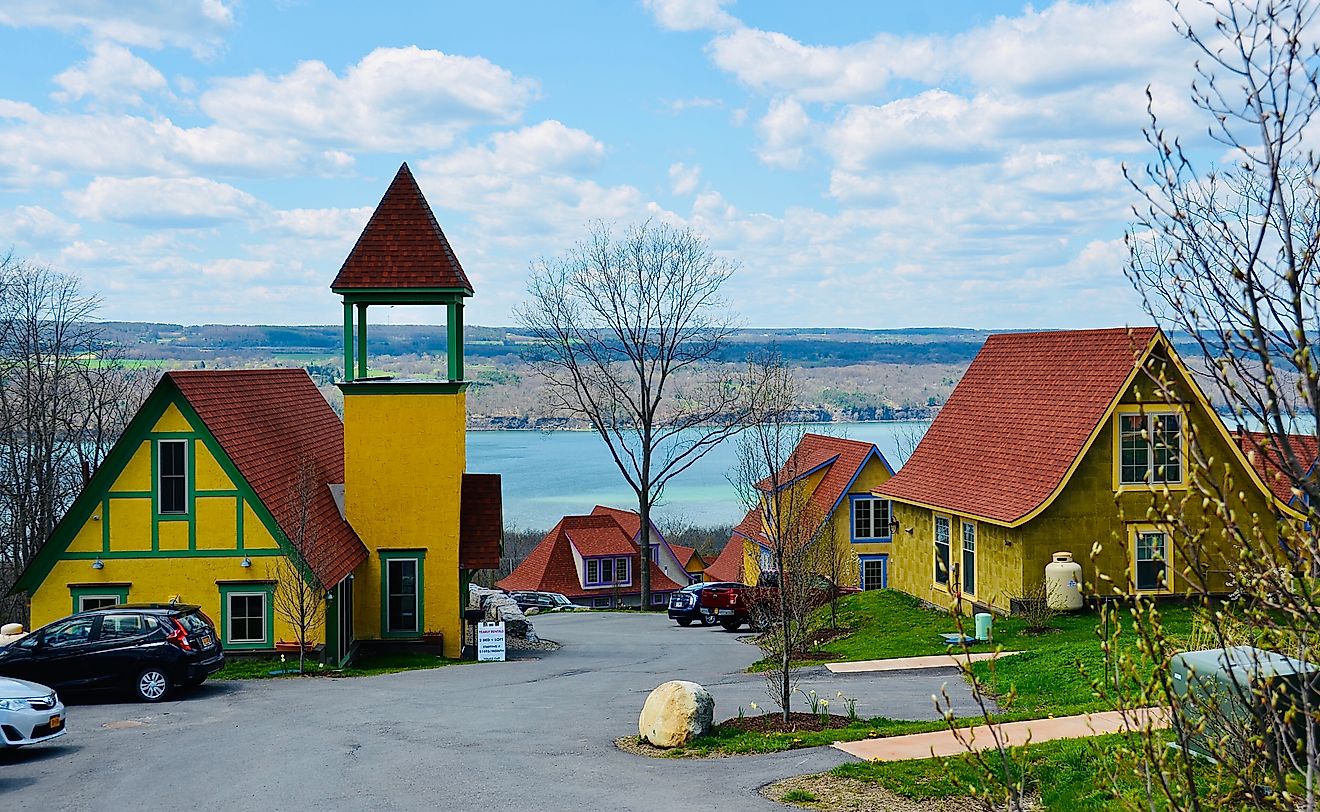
(869, 164)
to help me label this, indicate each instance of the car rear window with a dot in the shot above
(195, 622)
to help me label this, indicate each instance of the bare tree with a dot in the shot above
(299, 594)
(64, 400)
(626, 331)
(769, 479)
(1225, 253)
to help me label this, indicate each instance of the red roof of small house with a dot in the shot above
(839, 461)
(1022, 414)
(728, 565)
(629, 520)
(550, 567)
(597, 535)
(268, 421)
(684, 554)
(480, 522)
(1260, 449)
(402, 246)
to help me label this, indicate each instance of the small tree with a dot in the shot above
(299, 594)
(627, 332)
(768, 477)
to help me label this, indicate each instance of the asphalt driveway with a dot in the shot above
(530, 734)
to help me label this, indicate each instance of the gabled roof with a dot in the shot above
(727, 566)
(629, 520)
(597, 535)
(480, 522)
(268, 421)
(550, 567)
(686, 554)
(402, 246)
(1025, 411)
(839, 461)
(1254, 445)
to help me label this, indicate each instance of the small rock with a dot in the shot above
(675, 713)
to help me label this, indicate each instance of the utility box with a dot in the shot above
(1225, 695)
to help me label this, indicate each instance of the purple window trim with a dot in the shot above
(623, 561)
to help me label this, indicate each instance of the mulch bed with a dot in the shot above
(774, 722)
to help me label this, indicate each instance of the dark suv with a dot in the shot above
(146, 649)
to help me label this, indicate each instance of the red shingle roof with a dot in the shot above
(480, 522)
(629, 520)
(683, 553)
(1303, 446)
(550, 567)
(268, 421)
(402, 245)
(728, 566)
(1017, 420)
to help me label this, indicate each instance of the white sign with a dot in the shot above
(490, 642)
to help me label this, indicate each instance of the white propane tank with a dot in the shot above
(1063, 582)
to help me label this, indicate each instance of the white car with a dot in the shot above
(29, 713)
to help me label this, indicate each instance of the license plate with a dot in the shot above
(206, 641)
(724, 612)
(56, 722)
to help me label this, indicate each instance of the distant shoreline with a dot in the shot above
(550, 430)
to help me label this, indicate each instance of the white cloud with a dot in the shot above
(111, 74)
(196, 24)
(394, 98)
(35, 225)
(163, 202)
(691, 15)
(786, 131)
(683, 179)
(541, 148)
(321, 223)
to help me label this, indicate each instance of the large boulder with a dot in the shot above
(675, 713)
(500, 607)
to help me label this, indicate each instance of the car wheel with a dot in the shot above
(731, 624)
(684, 621)
(760, 619)
(152, 685)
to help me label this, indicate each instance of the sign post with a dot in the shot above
(490, 642)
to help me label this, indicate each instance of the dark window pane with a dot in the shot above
(401, 603)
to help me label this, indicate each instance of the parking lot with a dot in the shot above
(527, 734)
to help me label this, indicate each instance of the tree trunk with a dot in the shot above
(644, 545)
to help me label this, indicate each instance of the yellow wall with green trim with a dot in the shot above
(162, 558)
(1090, 519)
(404, 457)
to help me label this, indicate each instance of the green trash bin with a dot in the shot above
(984, 620)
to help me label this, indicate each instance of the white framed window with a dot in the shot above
(607, 571)
(870, 518)
(969, 557)
(89, 602)
(245, 619)
(1150, 568)
(1150, 448)
(172, 476)
(942, 539)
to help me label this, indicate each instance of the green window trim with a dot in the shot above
(118, 591)
(264, 588)
(386, 556)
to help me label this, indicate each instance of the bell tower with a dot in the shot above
(404, 439)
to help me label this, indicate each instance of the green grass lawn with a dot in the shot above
(366, 666)
(1051, 677)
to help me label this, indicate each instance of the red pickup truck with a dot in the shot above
(732, 606)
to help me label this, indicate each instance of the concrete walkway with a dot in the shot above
(912, 663)
(946, 743)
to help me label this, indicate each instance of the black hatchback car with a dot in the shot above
(685, 604)
(145, 649)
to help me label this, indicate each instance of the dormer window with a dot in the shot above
(615, 571)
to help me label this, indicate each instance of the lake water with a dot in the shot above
(552, 474)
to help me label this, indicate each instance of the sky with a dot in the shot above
(867, 165)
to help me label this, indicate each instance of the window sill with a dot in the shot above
(1157, 487)
(876, 540)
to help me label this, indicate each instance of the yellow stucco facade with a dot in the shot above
(125, 546)
(404, 457)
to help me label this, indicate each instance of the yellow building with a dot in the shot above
(224, 474)
(831, 481)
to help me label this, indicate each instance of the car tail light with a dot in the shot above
(179, 637)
